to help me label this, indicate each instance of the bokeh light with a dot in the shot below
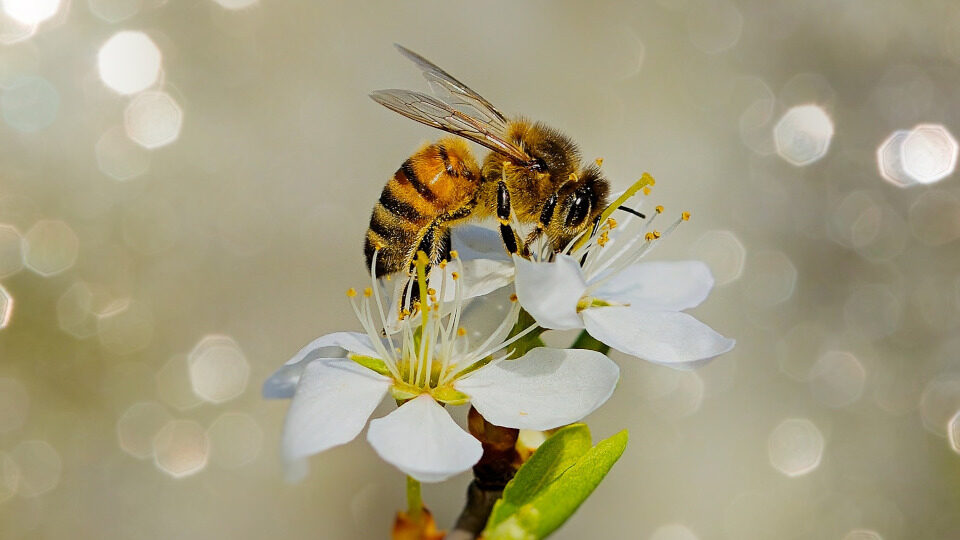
(120, 158)
(235, 440)
(11, 250)
(673, 531)
(153, 119)
(114, 11)
(181, 448)
(13, 31)
(953, 432)
(723, 252)
(9, 477)
(125, 327)
(31, 11)
(872, 310)
(173, 384)
(795, 447)
(6, 307)
(713, 26)
(935, 217)
(799, 348)
(803, 134)
(929, 153)
(139, 425)
(14, 403)
(51, 247)
(772, 278)
(236, 4)
(75, 311)
(939, 402)
(29, 103)
(218, 369)
(39, 465)
(129, 62)
(889, 160)
(837, 379)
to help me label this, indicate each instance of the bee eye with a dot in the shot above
(578, 210)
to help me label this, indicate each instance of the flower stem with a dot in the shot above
(586, 341)
(414, 501)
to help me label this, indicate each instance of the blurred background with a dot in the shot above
(184, 188)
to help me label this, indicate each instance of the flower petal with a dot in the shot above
(333, 401)
(485, 316)
(477, 278)
(423, 441)
(326, 346)
(550, 291)
(475, 242)
(543, 389)
(662, 337)
(659, 286)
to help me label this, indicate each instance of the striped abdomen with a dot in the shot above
(410, 214)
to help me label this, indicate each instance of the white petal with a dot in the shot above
(326, 347)
(659, 286)
(543, 389)
(423, 441)
(663, 337)
(550, 291)
(477, 278)
(333, 401)
(474, 242)
(484, 315)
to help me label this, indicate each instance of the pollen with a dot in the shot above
(443, 264)
(454, 254)
(612, 223)
(513, 297)
(649, 237)
(599, 162)
(656, 233)
(455, 275)
(503, 221)
(659, 209)
(404, 313)
(431, 291)
(604, 238)
(685, 216)
(351, 292)
(461, 331)
(646, 190)
(368, 292)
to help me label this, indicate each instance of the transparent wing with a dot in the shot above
(441, 115)
(454, 93)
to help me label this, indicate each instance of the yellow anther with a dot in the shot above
(461, 331)
(656, 233)
(599, 162)
(404, 313)
(649, 237)
(659, 209)
(646, 190)
(455, 275)
(572, 177)
(431, 291)
(368, 292)
(604, 238)
(685, 216)
(513, 297)
(612, 223)
(378, 245)
(443, 264)
(454, 254)
(653, 181)
(389, 278)
(351, 292)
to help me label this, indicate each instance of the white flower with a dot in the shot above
(600, 284)
(429, 363)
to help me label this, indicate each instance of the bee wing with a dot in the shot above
(441, 115)
(454, 92)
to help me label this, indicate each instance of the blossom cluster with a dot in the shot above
(459, 344)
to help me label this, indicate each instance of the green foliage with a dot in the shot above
(552, 484)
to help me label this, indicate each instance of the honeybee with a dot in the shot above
(533, 174)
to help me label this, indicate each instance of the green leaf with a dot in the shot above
(552, 506)
(557, 454)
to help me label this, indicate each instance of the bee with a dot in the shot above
(534, 175)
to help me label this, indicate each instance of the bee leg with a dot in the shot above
(546, 215)
(503, 216)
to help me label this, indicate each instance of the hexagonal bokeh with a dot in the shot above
(138, 426)
(75, 311)
(114, 11)
(6, 307)
(218, 369)
(181, 448)
(723, 252)
(929, 153)
(803, 134)
(173, 384)
(29, 103)
(795, 447)
(772, 278)
(51, 247)
(120, 158)
(153, 119)
(889, 162)
(236, 4)
(31, 11)
(837, 379)
(40, 466)
(11, 250)
(129, 62)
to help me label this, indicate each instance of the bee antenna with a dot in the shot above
(629, 210)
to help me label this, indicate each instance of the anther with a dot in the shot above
(659, 209)
(455, 275)
(646, 190)
(685, 216)
(513, 297)
(649, 237)
(612, 223)
(368, 292)
(461, 331)
(351, 292)
(656, 233)
(431, 291)
(599, 162)
(454, 254)
(442, 264)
